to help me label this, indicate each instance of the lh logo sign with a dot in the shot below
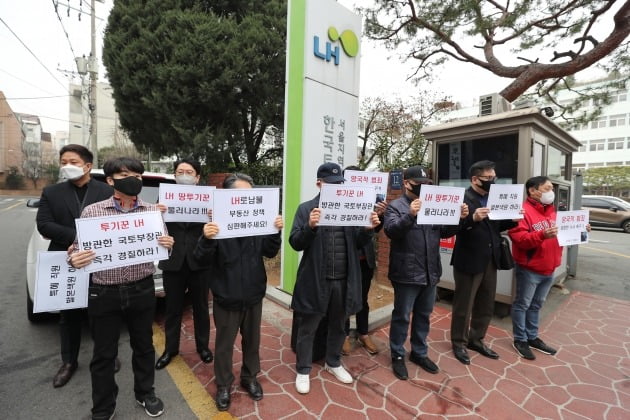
(348, 40)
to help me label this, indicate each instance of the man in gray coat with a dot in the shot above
(328, 280)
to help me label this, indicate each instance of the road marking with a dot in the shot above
(13, 206)
(598, 241)
(605, 251)
(197, 397)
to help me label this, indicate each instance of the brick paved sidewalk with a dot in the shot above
(589, 378)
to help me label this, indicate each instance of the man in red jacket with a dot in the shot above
(536, 254)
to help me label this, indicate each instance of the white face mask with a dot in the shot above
(71, 172)
(186, 179)
(547, 197)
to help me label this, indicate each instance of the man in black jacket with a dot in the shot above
(414, 270)
(239, 284)
(59, 205)
(328, 280)
(183, 272)
(475, 259)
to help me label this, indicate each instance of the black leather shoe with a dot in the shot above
(206, 356)
(116, 365)
(425, 363)
(164, 360)
(399, 368)
(64, 374)
(462, 355)
(253, 389)
(482, 349)
(223, 398)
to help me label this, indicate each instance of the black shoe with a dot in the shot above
(540, 345)
(64, 374)
(223, 398)
(482, 349)
(116, 365)
(164, 360)
(425, 363)
(254, 389)
(399, 368)
(206, 356)
(523, 349)
(153, 406)
(462, 355)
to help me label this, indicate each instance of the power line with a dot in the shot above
(33, 54)
(74, 55)
(38, 97)
(25, 81)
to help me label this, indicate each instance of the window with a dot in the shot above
(556, 163)
(599, 123)
(597, 145)
(583, 146)
(617, 120)
(615, 144)
(614, 164)
(619, 96)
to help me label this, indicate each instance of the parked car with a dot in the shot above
(607, 211)
(150, 184)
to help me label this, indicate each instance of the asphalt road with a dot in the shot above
(29, 353)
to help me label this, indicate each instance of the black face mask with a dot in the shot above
(130, 185)
(415, 189)
(485, 185)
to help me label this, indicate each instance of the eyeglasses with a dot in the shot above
(489, 178)
(189, 172)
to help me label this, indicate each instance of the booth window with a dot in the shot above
(556, 163)
(455, 158)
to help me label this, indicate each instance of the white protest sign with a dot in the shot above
(440, 205)
(379, 180)
(186, 203)
(505, 201)
(246, 211)
(59, 286)
(346, 205)
(122, 240)
(572, 227)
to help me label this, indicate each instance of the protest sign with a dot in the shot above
(346, 205)
(58, 285)
(379, 180)
(186, 203)
(246, 211)
(440, 205)
(505, 201)
(122, 240)
(572, 227)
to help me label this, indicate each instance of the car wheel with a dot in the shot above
(33, 317)
(626, 226)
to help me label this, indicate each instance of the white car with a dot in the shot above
(150, 184)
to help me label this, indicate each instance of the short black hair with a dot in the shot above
(116, 165)
(535, 182)
(352, 168)
(480, 167)
(82, 151)
(195, 164)
(236, 176)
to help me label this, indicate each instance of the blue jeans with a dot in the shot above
(419, 300)
(531, 291)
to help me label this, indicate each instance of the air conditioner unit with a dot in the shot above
(493, 104)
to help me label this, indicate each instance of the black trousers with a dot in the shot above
(362, 316)
(307, 325)
(473, 305)
(70, 326)
(228, 323)
(109, 307)
(175, 285)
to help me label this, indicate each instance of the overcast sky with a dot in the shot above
(36, 68)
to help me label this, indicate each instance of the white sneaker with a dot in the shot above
(340, 373)
(303, 383)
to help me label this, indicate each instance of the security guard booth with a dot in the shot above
(523, 143)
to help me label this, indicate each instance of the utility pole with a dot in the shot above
(93, 66)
